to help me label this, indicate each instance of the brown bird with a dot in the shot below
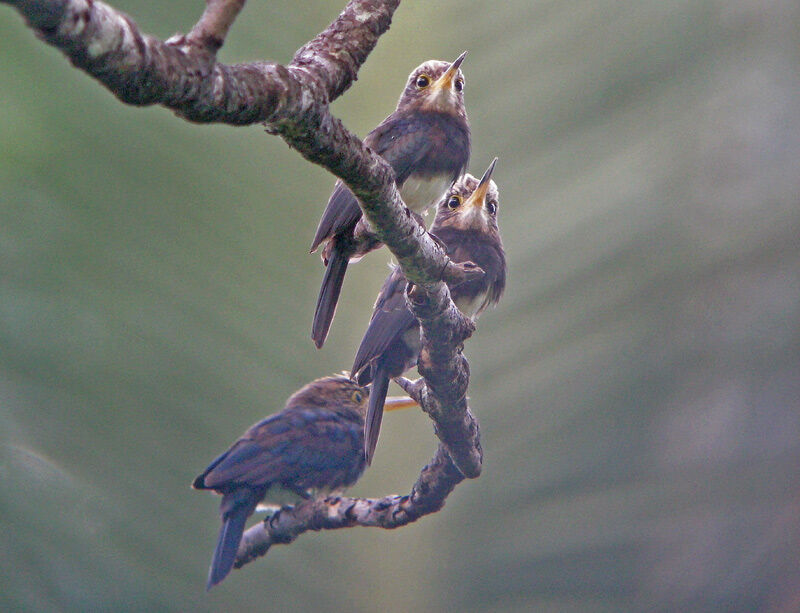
(315, 444)
(466, 223)
(427, 143)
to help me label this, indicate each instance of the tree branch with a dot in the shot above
(434, 484)
(442, 391)
(213, 26)
(183, 74)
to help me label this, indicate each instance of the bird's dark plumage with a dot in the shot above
(329, 291)
(466, 223)
(315, 443)
(427, 143)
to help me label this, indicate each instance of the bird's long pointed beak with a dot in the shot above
(446, 79)
(395, 403)
(477, 197)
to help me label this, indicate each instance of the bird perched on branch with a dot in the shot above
(427, 143)
(315, 444)
(466, 224)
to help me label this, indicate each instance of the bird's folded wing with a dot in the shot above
(288, 447)
(390, 319)
(402, 143)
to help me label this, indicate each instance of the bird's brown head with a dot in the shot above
(342, 394)
(470, 204)
(435, 86)
(332, 392)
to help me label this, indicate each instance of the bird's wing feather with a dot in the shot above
(402, 143)
(390, 319)
(286, 448)
(341, 213)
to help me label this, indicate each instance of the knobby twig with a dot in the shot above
(293, 101)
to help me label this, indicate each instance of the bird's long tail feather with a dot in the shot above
(234, 515)
(329, 295)
(377, 398)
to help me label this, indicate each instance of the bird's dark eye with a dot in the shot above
(491, 207)
(459, 85)
(422, 81)
(357, 397)
(454, 202)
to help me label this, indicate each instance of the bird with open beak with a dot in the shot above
(427, 143)
(466, 224)
(314, 446)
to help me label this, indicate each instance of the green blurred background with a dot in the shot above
(638, 387)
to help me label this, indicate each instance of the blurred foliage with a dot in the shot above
(638, 387)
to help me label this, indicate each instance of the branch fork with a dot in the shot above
(183, 74)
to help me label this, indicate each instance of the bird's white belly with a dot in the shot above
(276, 497)
(411, 338)
(421, 193)
(471, 307)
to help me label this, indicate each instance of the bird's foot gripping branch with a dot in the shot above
(183, 74)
